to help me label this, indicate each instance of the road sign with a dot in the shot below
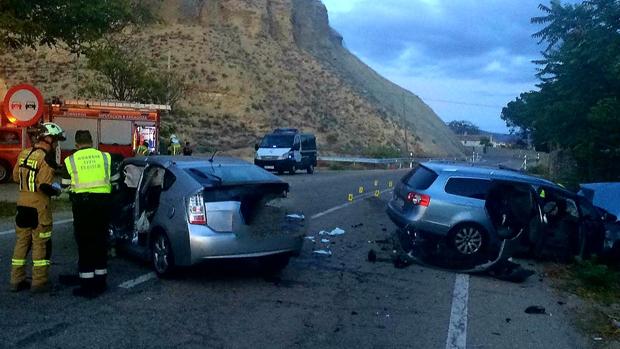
(23, 105)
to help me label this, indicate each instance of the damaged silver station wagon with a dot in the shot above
(179, 211)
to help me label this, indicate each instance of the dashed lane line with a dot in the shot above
(137, 281)
(457, 331)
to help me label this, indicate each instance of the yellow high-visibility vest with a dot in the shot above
(142, 150)
(90, 171)
(175, 149)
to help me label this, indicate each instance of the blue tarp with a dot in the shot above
(603, 195)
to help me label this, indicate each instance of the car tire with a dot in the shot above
(162, 256)
(275, 264)
(468, 240)
(5, 172)
(310, 169)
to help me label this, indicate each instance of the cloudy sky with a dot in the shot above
(465, 58)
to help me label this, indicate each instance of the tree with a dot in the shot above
(29, 23)
(120, 75)
(576, 105)
(462, 127)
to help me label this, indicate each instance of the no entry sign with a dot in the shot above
(23, 105)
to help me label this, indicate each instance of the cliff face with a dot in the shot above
(253, 65)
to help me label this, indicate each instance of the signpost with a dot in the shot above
(23, 105)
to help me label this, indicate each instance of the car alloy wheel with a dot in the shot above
(468, 240)
(162, 255)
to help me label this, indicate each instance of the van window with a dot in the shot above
(420, 178)
(9, 137)
(277, 141)
(469, 187)
(308, 142)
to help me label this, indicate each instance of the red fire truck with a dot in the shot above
(116, 127)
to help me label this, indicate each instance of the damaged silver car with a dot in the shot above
(177, 211)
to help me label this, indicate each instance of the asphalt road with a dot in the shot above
(318, 301)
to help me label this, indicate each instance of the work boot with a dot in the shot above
(86, 289)
(45, 288)
(100, 285)
(69, 279)
(22, 285)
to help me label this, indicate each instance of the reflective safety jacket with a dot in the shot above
(174, 149)
(142, 150)
(32, 169)
(89, 170)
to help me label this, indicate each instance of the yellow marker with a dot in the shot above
(376, 183)
(360, 190)
(377, 193)
(390, 184)
(350, 197)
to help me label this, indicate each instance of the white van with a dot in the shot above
(287, 149)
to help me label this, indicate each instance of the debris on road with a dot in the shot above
(510, 271)
(535, 309)
(357, 225)
(296, 216)
(372, 256)
(334, 232)
(311, 238)
(323, 252)
(508, 320)
(325, 241)
(401, 262)
(598, 339)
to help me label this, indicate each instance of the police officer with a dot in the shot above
(35, 174)
(90, 176)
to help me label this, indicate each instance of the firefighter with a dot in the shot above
(143, 149)
(89, 173)
(175, 146)
(35, 174)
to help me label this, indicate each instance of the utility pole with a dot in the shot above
(404, 122)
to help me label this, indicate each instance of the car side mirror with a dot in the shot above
(256, 146)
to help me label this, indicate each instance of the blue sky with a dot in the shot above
(465, 58)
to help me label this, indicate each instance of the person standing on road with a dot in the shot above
(90, 181)
(187, 149)
(175, 146)
(143, 149)
(35, 174)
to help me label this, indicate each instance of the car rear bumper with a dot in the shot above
(205, 244)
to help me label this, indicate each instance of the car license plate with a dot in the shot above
(269, 167)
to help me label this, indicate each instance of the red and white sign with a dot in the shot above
(23, 105)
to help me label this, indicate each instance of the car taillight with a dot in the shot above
(419, 199)
(197, 210)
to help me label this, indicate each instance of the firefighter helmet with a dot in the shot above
(53, 130)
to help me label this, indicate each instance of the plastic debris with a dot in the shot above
(598, 339)
(325, 241)
(535, 309)
(296, 216)
(334, 232)
(323, 252)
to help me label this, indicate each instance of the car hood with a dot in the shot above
(272, 151)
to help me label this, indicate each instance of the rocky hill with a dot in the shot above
(253, 65)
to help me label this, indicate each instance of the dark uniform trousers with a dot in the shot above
(91, 217)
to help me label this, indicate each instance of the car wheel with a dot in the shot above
(310, 169)
(468, 240)
(162, 256)
(275, 264)
(5, 172)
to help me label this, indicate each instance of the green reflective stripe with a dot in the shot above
(18, 262)
(542, 194)
(41, 262)
(91, 185)
(31, 175)
(45, 235)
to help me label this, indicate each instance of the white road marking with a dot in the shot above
(12, 231)
(334, 209)
(457, 332)
(137, 281)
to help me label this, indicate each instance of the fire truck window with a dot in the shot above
(70, 125)
(116, 132)
(9, 137)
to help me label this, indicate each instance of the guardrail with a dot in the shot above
(388, 163)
